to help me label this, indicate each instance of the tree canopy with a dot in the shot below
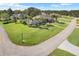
(9, 11)
(33, 11)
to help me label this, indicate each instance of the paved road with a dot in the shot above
(67, 46)
(8, 48)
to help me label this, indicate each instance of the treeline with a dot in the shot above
(74, 13)
(31, 11)
(33, 16)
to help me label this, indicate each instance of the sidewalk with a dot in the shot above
(67, 46)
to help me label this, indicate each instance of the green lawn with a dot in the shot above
(74, 37)
(23, 35)
(31, 36)
(0, 22)
(65, 19)
(59, 52)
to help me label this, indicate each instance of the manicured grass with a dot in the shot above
(63, 22)
(23, 35)
(59, 52)
(66, 19)
(31, 36)
(74, 37)
(0, 22)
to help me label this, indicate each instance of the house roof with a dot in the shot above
(45, 16)
(17, 15)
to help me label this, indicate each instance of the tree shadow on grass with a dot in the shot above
(50, 25)
(47, 27)
(61, 22)
(44, 28)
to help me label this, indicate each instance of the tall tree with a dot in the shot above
(33, 11)
(55, 16)
(17, 11)
(9, 11)
(4, 17)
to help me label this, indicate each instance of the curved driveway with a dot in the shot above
(44, 48)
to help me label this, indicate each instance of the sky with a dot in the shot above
(42, 6)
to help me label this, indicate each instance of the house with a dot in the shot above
(44, 17)
(20, 16)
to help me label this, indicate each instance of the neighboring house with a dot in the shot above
(44, 16)
(20, 16)
(37, 20)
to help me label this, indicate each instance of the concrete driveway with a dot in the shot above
(67, 46)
